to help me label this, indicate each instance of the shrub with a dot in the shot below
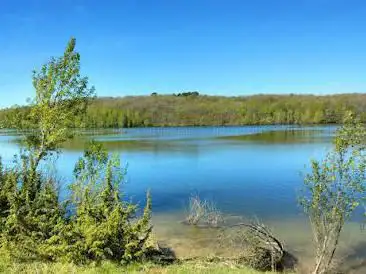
(262, 251)
(30, 210)
(96, 223)
(102, 225)
(257, 247)
(334, 188)
(203, 212)
(196, 210)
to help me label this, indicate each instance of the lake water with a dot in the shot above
(252, 171)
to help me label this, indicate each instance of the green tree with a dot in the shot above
(34, 224)
(333, 190)
(31, 212)
(61, 95)
(212, 110)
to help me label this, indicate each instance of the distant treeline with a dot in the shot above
(192, 109)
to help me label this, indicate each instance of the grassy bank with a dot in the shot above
(184, 267)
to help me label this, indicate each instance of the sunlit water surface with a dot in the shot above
(248, 172)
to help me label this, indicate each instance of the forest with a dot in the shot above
(193, 109)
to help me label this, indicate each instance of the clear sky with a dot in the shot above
(219, 47)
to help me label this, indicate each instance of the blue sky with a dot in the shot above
(218, 47)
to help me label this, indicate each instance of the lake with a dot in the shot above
(248, 172)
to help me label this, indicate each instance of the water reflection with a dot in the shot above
(244, 169)
(247, 171)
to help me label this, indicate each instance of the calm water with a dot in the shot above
(246, 171)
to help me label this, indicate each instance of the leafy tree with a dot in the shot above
(334, 189)
(96, 223)
(190, 110)
(30, 201)
(30, 207)
(62, 95)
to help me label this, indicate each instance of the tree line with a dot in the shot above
(203, 110)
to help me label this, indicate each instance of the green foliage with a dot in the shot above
(334, 189)
(30, 211)
(189, 93)
(202, 110)
(199, 266)
(62, 95)
(102, 225)
(95, 223)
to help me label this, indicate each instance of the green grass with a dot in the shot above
(186, 267)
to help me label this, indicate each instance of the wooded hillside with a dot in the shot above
(191, 109)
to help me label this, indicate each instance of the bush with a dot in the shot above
(333, 190)
(30, 210)
(98, 224)
(95, 223)
(258, 247)
(104, 226)
(203, 212)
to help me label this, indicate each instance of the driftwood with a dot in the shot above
(265, 236)
(263, 250)
(279, 259)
